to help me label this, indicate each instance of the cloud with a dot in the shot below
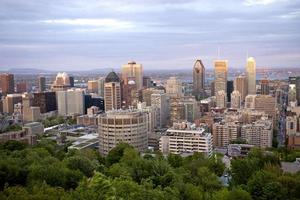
(261, 2)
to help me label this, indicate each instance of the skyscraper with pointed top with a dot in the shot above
(198, 78)
(251, 75)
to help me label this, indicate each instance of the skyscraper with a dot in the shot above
(61, 82)
(7, 83)
(70, 102)
(198, 78)
(264, 87)
(174, 87)
(251, 75)
(221, 99)
(229, 90)
(132, 69)
(235, 99)
(241, 85)
(93, 86)
(298, 90)
(112, 92)
(42, 83)
(221, 71)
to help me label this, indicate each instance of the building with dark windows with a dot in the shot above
(90, 101)
(7, 83)
(229, 90)
(45, 100)
(198, 78)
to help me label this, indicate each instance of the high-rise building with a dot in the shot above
(176, 110)
(41, 83)
(146, 94)
(45, 100)
(241, 85)
(129, 92)
(267, 104)
(112, 92)
(224, 133)
(292, 95)
(90, 101)
(159, 101)
(70, 102)
(7, 83)
(101, 82)
(186, 138)
(191, 108)
(146, 82)
(9, 101)
(174, 87)
(198, 78)
(72, 81)
(128, 126)
(92, 86)
(132, 69)
(259, 133)
(30, 113)
(229, 90)
(22, 87)
(298, 90)
(61, 82)
(221, 98)
(251, 75)
(264, 87)
(250, 101)
(236, 99)
(221, 71)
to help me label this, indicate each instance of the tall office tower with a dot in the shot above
(112, 92)
(267, 104)
(292, 89)
(264, 87)
(251, 75)
(223, 133)
(71, 78)
(229, 90)
(236, 99)
(221, 98)
(45, 100)
(93, 86)
(129, 90)
(176, 110)
(146, 82)
(128, 126)
(221, 71)
(259, 133)
(7, 83)
(191, 108)
(212, 88)
(298, 90)
(9, 101)
(174, 87)
(198, 78)
(22, 87)
(42, 83)
(241, 85)
(132, 69)
(61, 82)
(186, 138)
(101, 82)
(159, 101)
(70, 102)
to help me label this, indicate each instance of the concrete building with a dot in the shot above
(34, 128)
(159, 100)
(236, 99)
(251, 75)
(221, 71)
(174, 87)
(259, 133)
(70, 102)
(22, 87)
(30, 113)
(9, 101)
(93, 86)
(62, 82)
(221, 98)
(191, 108)
(129, 126)
(177, 112)
(146, 94)
(241, 85)
(264, 87)
(224, 133)
(112, 92)
(41, 83)
(267, 104)
(186, 138)
(198, 78)
(250, 101)
(7, 84)
(298, 90)
(132, 69)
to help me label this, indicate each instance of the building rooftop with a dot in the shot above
(112, 77)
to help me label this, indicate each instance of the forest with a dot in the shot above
(49, 171)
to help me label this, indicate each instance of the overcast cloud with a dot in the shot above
(81, 34)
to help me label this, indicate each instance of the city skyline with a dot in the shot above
(71, 35)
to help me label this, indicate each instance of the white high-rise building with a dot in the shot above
(133, 70)
(251, 75)
(236, 99)
(186, 138)
(70, 102)
(221, 98)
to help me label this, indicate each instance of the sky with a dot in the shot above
(160, 34)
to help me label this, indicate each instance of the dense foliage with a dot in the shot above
(49, 171)
(52, 121)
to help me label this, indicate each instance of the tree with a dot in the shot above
(116, 153)
(82, 164)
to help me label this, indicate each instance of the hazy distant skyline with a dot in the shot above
(81, 34)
